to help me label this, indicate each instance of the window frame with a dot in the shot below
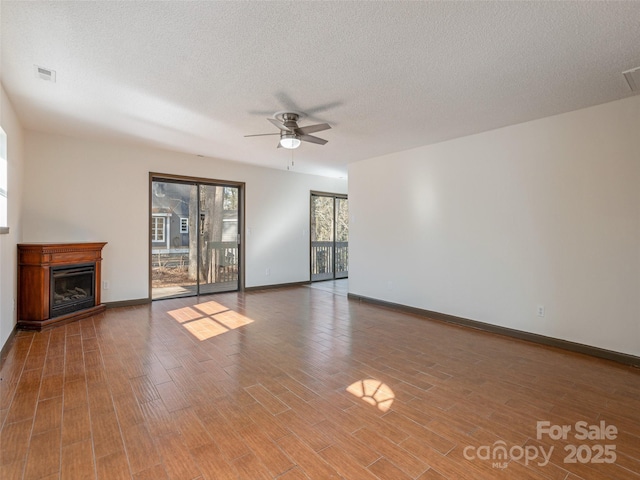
(4, 183)
(184, 224)
(154, 229)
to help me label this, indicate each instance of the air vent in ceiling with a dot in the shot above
(45, 73)
(633, 78)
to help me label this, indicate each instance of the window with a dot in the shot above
(184, 225)
(157, 229)
(4, 180)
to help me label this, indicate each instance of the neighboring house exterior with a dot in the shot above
(170, 222)
(169, 229)
(170, 217)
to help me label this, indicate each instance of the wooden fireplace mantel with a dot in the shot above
(34, 280)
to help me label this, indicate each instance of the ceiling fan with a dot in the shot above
(290, 133)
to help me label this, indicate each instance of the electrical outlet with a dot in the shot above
(267, 272)
(390, 285)
(541, 310)
(105, 284)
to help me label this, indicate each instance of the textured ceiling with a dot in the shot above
(196, 77)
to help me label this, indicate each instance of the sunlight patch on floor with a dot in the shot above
(207, 320)
(374, 392)
(204, 328)
(185, 314)
(211, 308)
(232, 319)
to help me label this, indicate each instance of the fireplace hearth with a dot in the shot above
(58, 283)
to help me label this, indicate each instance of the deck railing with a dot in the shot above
(222, 261)
(323, 262)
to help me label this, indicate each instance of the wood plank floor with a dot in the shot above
(303, 383)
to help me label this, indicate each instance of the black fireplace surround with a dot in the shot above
(72, 288)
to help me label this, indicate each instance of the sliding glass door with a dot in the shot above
(195, 237)
(329, 236)
(218, 248)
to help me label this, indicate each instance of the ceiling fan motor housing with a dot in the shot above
(290, 120)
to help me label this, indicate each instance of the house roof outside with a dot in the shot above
(196, 77)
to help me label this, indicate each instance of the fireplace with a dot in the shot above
(71, 289)
(58, 283)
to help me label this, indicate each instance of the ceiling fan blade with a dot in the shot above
(286, 101)
(322, 108)
(312, 139)
(289, 104)
(279, 125)
(262, 134)
(313, 128)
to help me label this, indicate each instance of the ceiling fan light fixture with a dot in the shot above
(289, 140)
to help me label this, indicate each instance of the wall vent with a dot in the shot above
(633, 78)
(45, 73)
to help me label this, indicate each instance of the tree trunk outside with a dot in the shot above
(205, 221)
(194, 229)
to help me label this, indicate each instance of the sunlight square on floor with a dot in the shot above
(209, 319)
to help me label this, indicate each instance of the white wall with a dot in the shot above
(488, 227)
(8, 259)
(84, 190)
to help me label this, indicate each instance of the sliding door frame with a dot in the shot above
(315, 193)
(160, 177)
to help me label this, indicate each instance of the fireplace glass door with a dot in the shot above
(72, 289)
(194, 238)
